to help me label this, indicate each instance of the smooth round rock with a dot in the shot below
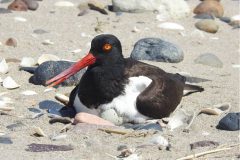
(209, 60)
(155, 49)
(18, 5)
(111, 115)
(210, 7)
(11, 42)
(32, 4)
(49, 69)
(231, 122)
(207, 25)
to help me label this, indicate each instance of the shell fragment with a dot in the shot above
(9, 83)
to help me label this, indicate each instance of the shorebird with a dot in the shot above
(135, 90)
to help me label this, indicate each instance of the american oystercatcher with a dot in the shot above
(135, 90)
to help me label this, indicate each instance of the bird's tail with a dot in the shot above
(28, 69)
(190, 88)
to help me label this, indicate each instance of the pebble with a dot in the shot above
(47, 42)
(9, 83)
(20, 19)
(207, 25)
(49, 69)
(47, 57)
(5, 108)
(97, 6)
(111, 115)
(209, 59)
(64, 4)
(171, 26)
(11, 42)
(83, 117)
(35, 110)
(39, 132)
(205, 143)
(40, 31)
(18, 5)
(28, 62)
(34, 147)
(159, 140)
(5, 140)
(225, 19)
(14, 126)
(4, 66)
(155, 49)
(135, 29)
(58, 137)
(32, 4)
(173, 8)
(210, 7)
(231, 122)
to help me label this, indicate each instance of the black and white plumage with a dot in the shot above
(135, 90)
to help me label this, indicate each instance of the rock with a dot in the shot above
(34, 147)
(64, 4)
(49, 69)
(97, 6)
(5, 140)
(209, 60)
(11, 42)
(47, 57)
(173, 8)
(28, 62)
(204, 16)
(18, 5)
(32, 4)
(231, 122)
(171, 26)
(210, 7)
(155, 49)
(83, 117)
(15, 126)
(111, 115)
(4, 11)
(225, 19)
(203, 144)
(235, 24)
(207, 25)
(40, 31)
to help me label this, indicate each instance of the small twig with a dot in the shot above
(203, 153)
(109, 130)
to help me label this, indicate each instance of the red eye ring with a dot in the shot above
(107, 47)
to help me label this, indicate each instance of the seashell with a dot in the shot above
(20, 19)
(28, 62)
(58, 137)
(217, 109)
(47, 57)
(9, 83)
(83, 34)
(160, 140)
(76, 51)
(236, 65)
(0, 43)
(39, 132)
(6, 108)
(135, 29)
(49, 89)
(235, 18)
(47, 42)
(4, 66)
(37, 115)
(64, 4)
(1, 80)
(62, 98)
(171, 26)
(28, 93)
(161, 17)
(180, 118)
(2, 133)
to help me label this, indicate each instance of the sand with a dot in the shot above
(65, 29)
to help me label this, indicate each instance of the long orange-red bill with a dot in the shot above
(86, 61)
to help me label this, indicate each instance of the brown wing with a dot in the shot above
(163, 95)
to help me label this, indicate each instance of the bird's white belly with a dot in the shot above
(125, 104)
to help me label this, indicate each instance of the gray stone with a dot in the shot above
(155, 49)
(5, 140)
(207, 25)
(209, 60)
(231, 122)
(40, 31)
(173, 8)
(112, 116)
(32, 4)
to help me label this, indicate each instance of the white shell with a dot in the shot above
(171, 26)
(3, 66)
(47, 57)
(47, 42)
(64, 4)
(236, 65)
(235, 18)
(20, 19)
(76, 51)
(217, 109)
(49, 89)
(28, 93)
(6, 108)
(179, 118)
(39, 131)
(62, 98)
(28, 62)
(161, 17)
(135, 29)
(160, 140)
(58, 137)
(9, 83)
(1, 80)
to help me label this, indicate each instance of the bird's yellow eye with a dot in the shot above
(107, 47)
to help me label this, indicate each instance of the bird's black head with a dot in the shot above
(105, 50)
